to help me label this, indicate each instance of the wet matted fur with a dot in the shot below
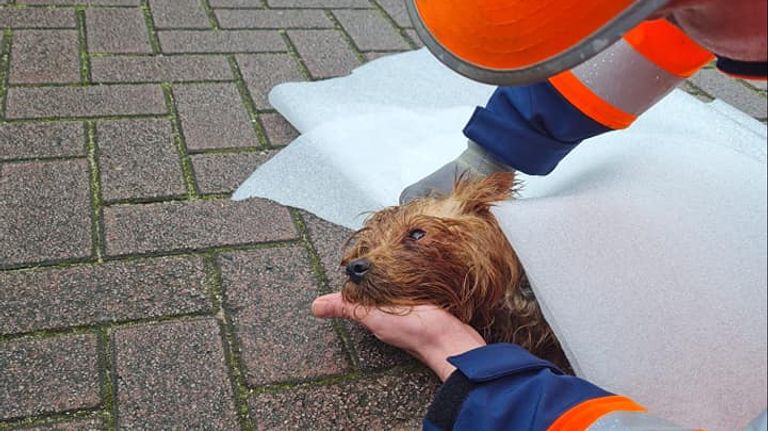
(451, 252)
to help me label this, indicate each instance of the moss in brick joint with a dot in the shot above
(181, 148)
(97, 229)
(154, 41)
(322, 281)
(82, 39)
(247, 100)
(231, 348)
(5, 66)
(106, 370)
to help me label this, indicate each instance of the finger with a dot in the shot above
(334, 306)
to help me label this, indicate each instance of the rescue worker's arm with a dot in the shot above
(503, 387)
(531, 128)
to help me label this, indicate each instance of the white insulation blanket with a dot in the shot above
(646, 247)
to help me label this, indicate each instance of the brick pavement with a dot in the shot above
(133, 293)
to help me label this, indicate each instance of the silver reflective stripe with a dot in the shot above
(626, 79)
(633, 421)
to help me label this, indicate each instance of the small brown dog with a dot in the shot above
(449, 251)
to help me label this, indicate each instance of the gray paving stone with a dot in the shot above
(223, 173)
(279, 131)
(194, 225)
(226, 41)
(325, 52)
(733, 92)
(370, 56)
(173, 376)
(329, 240)
(120, 31)
(92, 101)
(37, 18)
(370, 31)
(85, 2)
(109, 292)
(26, 141)
(138, 160)
(317, 4)
(76, 425)
(179, 14)
(48, 375)
(274, 18)
(269, 293)
(45, 56)
(397, 11)
(389, 402)
(177, 68)
(760, 85)
(213, 116)
(45, 211)
(237, 3)
(415, 38)
(261, 72)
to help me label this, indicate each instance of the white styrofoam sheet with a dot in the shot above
(646, 247)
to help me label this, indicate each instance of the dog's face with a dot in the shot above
(448, 251)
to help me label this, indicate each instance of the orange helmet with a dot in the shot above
(511, 42)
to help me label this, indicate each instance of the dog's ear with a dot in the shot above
(478, 194)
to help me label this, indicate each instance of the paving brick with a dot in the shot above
(397, 11)
(760, 85)
(731, 91)
(117, 31)
(237, 3)
(48, 375)
(21, 141)
(84, 2)
(227, 41)
(223, 173)
(415, 38)
(279, 131)
(94, 294)
(45, 211)
(387, 402)
(325, 52)
(37, 18)
(329, 240)
(273, 18)
(178, 68)
(173, 374)
(45, 56)
(370, 56)
(319, 4)
(270, 293)
(213, 116)
(194, 225)
(93, 101)
(261, 72)
(370, 31)
(77, 425)
(138, 159)
(179, 14)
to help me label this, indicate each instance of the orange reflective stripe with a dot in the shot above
(589, 103)
(583, 415)
(667, 46)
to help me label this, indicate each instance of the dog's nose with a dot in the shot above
(357, 269)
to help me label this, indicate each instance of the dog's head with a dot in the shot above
(446, 250)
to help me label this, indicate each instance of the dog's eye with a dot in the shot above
(416, 234)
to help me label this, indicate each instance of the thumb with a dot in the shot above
(329, 306)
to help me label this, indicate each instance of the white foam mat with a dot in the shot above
(646, 247)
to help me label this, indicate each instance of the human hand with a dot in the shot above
(475, 161)
(425, 331)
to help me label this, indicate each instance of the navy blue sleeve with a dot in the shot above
(530, 128)
(503, 387)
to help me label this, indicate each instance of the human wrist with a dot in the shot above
(479, 161)
(436, 353)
